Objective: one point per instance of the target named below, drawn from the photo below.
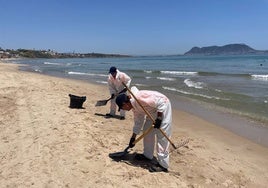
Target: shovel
(150, 116)
(120, 155)
(104, 102)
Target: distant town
(26, 53)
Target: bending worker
(158, 105)
(116, 87)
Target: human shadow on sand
(129, 158)
(108, 117)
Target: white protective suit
(115, 87)
(153, 102)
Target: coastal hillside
(26, 53)
(230, 49)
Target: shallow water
(237, 83)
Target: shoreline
(234, 107)
(238, 125)
(253, 130)
(45, 143)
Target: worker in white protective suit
(116, 87)
(159, 107)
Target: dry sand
(44, 143)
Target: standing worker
(158, 105)
(116, 87)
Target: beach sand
(44, 143)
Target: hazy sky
(134, 27)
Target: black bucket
(76, 101)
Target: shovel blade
(101, 103)
(119, 155)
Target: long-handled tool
(123, 153)
(104, 102)
(150, 116)
(119, 155)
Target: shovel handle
(116, 95)
(108, 99)
(150, 116)
(144, 134)
(140, 137)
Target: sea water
(237, 84)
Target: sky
(132, 27)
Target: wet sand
(242, 126)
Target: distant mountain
(230, 49)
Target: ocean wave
(195, 94)
(148, 71)
(102, 82)
(179, 72)
(209, 73)
(49, 63)
(86, 74)
(218, 90)
(58, 64)
(197, 85)
(262, 77)
(166, 78)
(193, 73)
(81, 73)
(37, 70)
(140, 85)
(223, 74)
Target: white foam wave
(58, 64)
(260, 77)
(148, 71)
(197, 85)
(102, 82)
(195, 94)
(148, 77)
(48, 63)
(80, 73)
(179, 72)
(218, 90)
(37, 70)
(165, 78)
(86, 74)
(140, 85)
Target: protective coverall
(115, 87)
(153, 102)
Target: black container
(76, 101)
